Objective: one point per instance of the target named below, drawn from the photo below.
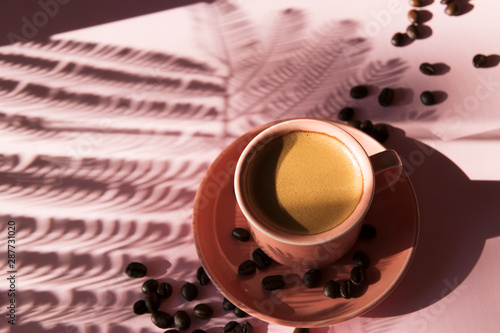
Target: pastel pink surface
(394, 214)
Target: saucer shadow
(457, 217)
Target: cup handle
(387, 168)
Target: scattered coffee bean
(241, 234)
(232, 327)
(164, 290)
(227, 305)
(149, 285)
(161, 319)
(361, 259)
(346, 289)
(312, 278)
(152, 300)
(202, 276)
(358, 92)
(331, 289)
(367, 232)
(189, 291)
(358, 276)
(182, 320)
(386, 97)
(412, 32)
(246, 268)
(414, 16)
(260, 258)
(136, 270)
(239, 312)
(247, 327)
(427, 98)
(198, 330)
(427, 69)
(452, 8)
(366, 126)
(354, 123)
(140, 307)
(273, 282)
(479, 60)
(398, 39)
(380, 132)
(346, 114)
(301, 330)
(203, 311)
(416, 3)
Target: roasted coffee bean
(452, 8)
(239, 312)
(247, 327)
(241, 234)
(260, 258)
(232, 327)
(203, 311)
(366, 126)
(227, 305)
(398, 39)
(358, 92)
(354, 123)
(361, 259)
(331, 289)
(367, 232)
(427, 98)
(136, 270)
(149, 285)
(416, 3)
(427, 69)
(152, 300)
(164, 290)
(246, 268)
(202, 276)
(273, 282)
(380, 132)
(189, 291)
(182, 320)
(386, 97)
(414, 16)
(346, 114)
(161, 319)
(301, 330)
(412, 32)
(346, 289)
(198, 330)
(358, 276)
(312, 278)
(479, 60)
(140, 307)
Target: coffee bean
(380, 132)
(358, 276)
(136, 270)
(412, 32)
(152, 300)
(354, 123)
(261, 259)
(398, 39)
(246, 268)
(367, 232)
(232, 327)
(203, 311)
(366, 126)
(427, 69)
(301, 330)
(312, 278)
(331, 289)
(149, 285)
(227, 305)
(414, 16)
(427, 98)
(479, 60)
(189, 291)
(346, 114)
(346, 289)
(182, 320)
(239, 312)
(273, 282)
(198, 330)
(358, 92)
(164, 290)
(161, 319)
(361, 259)
(241, 234)
(202, 276)
(247, 327)
(386, 97)
(452, 8)
(416, 3)
(140, 307)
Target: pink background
(107, 128)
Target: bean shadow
(441, 68)
(457, 217)
(492, 61)
(465, 6)
(424, 16)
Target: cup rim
(312, 125)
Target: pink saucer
(393, 213)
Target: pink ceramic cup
(323, 248)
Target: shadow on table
(457, 217)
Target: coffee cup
(305, 185)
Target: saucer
(394, 214)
